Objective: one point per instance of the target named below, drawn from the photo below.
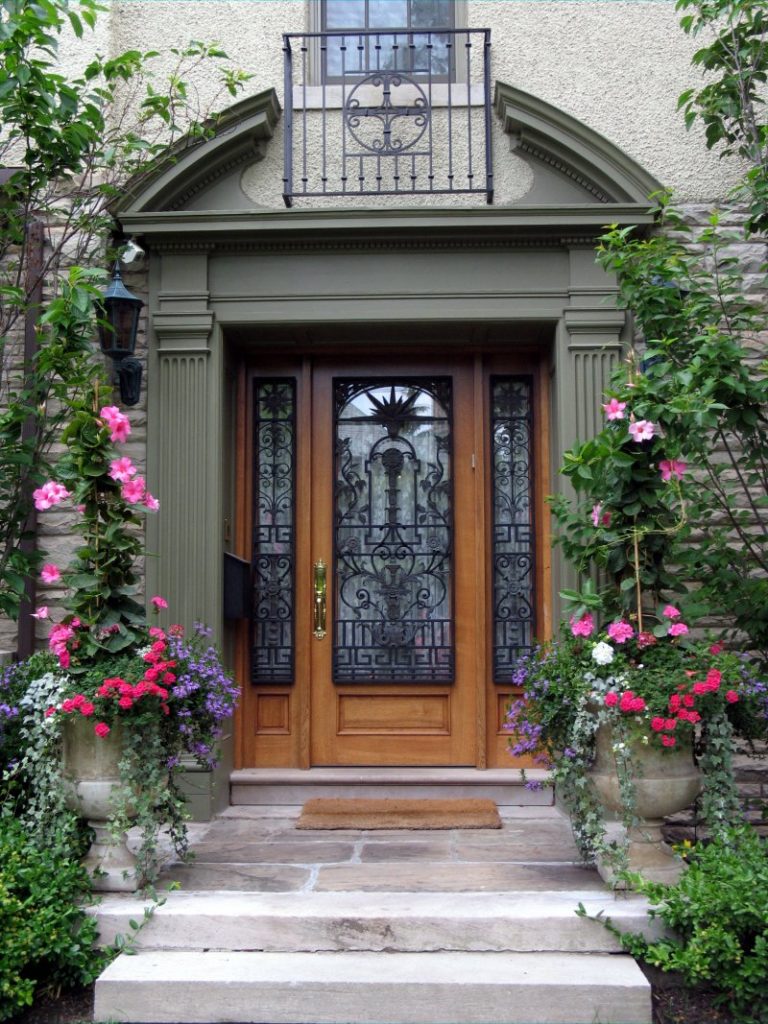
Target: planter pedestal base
(647, 855)
(110, 864)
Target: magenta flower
(677, 629)
(620, 631)
(672, 469)
(50, 573)
(41, 613)
(614, 410)
(600, 518)
(150, 502)
(117, 422)
(159, 602)
(584, 626)
(670, 612)
(132, 491)
(641, 430)
(122, 469)
(49, 494)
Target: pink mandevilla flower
(620, 632)
(614, 410)
(118, 423)
(49, 494)
(641, 430)
(677, 629)
(584, 626)
(133, 490)
(672, 469)
(50, 573)
(122, 469)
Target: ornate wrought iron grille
(393, 531)
(274, 500)
(402, 112)
(513, 534)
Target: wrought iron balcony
(387, 113)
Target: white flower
(602, 653)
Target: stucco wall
(618, 66)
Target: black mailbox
(237, 587)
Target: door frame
(285, 736)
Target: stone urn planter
(91, 775)
(666, 781)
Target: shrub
(48, 938)
(718, 912)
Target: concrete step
(292, 786)
(373, 988)
(383, 921)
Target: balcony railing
(395, 113)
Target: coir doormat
(332, 813)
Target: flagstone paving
(257, 852)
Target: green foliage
(73, 144)
(718, 912)
(48, 938)
(731, 103)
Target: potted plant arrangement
(638, 717)
(110, 709)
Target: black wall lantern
(118, 323)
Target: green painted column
(589, 343)
(185, 445)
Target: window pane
(432, 13)
(388, 14)
(344, 55)
(345, 14)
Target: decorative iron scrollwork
(371, 115)
(393, 531)
(513, 535)
(274, 500)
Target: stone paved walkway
(258, 849)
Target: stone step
(292, 786)
(373, 988)
(380, 921)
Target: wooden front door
(388, 516)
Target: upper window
(410, 39)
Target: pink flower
(672, 469)
(611, 700)
(657, 724)
(41, 613)
(620, 632)
(50, 573)
(614, 410)
(715, 648)
(638, 704)
(669, 724)
(101, 729)
(731, 696)
(87, 708)
(670, 612)
(600, 518)
(699, 688)
(117, 422)
(641, 430)
(584, 626)
(132, 491)
(714, 678)
(668, 741)
(125, 702)
(49, 494)
(158, 602)
(677, 629)
(150, 502)
(689, 700)
(157, 633)
(122, 469)
(645, 640)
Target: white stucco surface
(617, 65)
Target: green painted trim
(240, 134)
(567, 141)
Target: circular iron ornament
(364, 119)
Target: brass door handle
(320, 590)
